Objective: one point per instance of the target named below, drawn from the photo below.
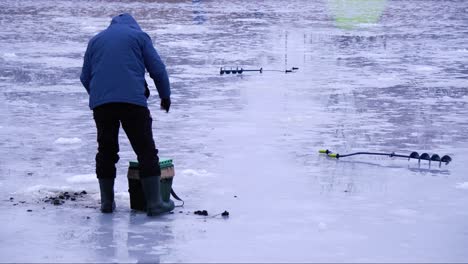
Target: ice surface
(67, 141)
(396, 82)
(463, 185)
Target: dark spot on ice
(225, 214)
(204, 212)
(22, 202)
(235, 196)
(29, 210)
(88, 217)
(11, 198)
(62, 197)
(181, 212)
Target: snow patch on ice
(196, 173)
(404, 212)
(67, 141)
(367, 25)
(424, 68)
(9, 55)
(152, 223)
(83, 178)
(137, 246)
(40, 191)
(462, 185)
(157, 250)
(48, 189)
(122, 196)
(322, 226)
(182, 29)
(90, 28)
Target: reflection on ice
(67, 141)
(353, 13)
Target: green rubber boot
(154, 203)
(107, 195)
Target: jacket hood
(125, 19)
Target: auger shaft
(237, 70)
(414, 155)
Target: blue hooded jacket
(115, 61)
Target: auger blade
(425, 156)
(435, 157)
(447, 159)
(413, 155)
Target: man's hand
(166, 104)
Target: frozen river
(374, 75)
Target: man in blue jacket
(114, 76)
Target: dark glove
(166, 104)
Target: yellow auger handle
(329, 153)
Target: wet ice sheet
(245, 144)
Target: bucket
(137, 197)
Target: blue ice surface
(389, 76)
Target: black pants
(136, 122)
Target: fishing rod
(237, 70)
(414, 155)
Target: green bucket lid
(163, 163)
